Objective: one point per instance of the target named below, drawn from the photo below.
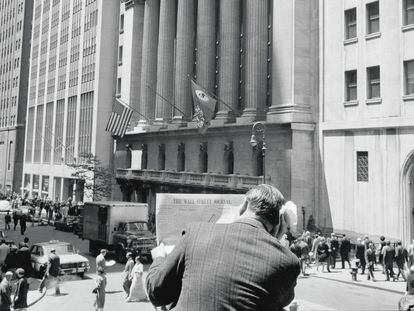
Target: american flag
(119, 119)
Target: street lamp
(258, 136)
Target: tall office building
(366, 128)
(15, 32)
(259, 58)
(71, 87)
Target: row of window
(7, 66)
(8, 121)
(373, 18)
(4, 103)
(374, 82)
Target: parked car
(70, 261)
(66, 223)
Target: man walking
(7, 221)
(126, 284)
(388, 253)
(20, 294)
(193, 279)
(344, 250)
(15, 220)
(334, 249)
(361, 247)
(370, 260)
(23, 224)
(100, 260)
(52, 272)
(401, 257)
(5, 292)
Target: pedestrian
(100, 260)
(126, 283)
(370, 261)
(380, 256)
(315, 244)
(20, 294)
(99, 290)
(304, 255)
(23, 258)
(334, 249)
(344, 250)
(411, 254)
(5, 292)
(15, 219)
(388, 253)
(23, 224)
(323, 255)
(137, 292)
(361, 247)
(26, 242)
(4, 251)
(401, 259)
(249, 266)
(7, 221)
(52, 272)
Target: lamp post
(258, 136)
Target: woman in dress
(99, 290)
(137, 292)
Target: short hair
(382, 238)
(104, 251)
(399, 243)
(26, 239)
(388, 243)
(265, 201)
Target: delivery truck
(120, 227)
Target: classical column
(206, 44)
(256, 58)
(184, 58)
(229, 62)
(165, 63)
(149, 59)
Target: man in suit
(388, 254)
(344, 250)
(5, 292)
(236, 266)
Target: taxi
(70, 261)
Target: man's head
(104, 252)
(53, 251)
(8, 275)
(399, 243)
(359, 240)
(128, 255)
(388, 243)
(26, 240)
(371, 245)
(20, 273)
(2, 241)
(265, 201)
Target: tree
(97, 180)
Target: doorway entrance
(408, 199)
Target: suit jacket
(20, 295)
(5, 295)
(53, 265)
(237, 266)
(345, 247)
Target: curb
(362, 285)
(38, 299)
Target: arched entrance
(407, 195)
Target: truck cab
(133, 237)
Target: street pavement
(319, 291)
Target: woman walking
(99, 290)
(137, 292)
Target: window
(181, 158)
(228, 158)
(373, 82)
(350, 23)
(351, 85)
(373, 17)
(120, 52)
(161, 157)
(362, 166)
(409, 12)
(118, 86)
(203, 158)
(144, 157)
(121, 24)
(409, 77)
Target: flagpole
(132, 108)
(156, 93)
(213, 95)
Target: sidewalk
(344, 276)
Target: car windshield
(136, 226)
(60, 249)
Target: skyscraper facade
(71, 87)
(15, 32)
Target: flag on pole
(204, 106)
(119, 119)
